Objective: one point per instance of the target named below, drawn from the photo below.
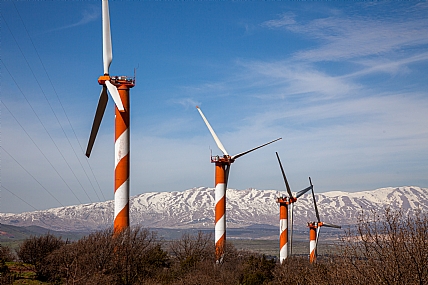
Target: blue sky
(344, 84)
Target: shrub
(129, 257)
(6, 254)
(35, 251)
(257, 270)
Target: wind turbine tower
(118, 87)
(283, 202)
(222, 168)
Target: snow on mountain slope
(194, 208)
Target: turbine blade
(315, 202)
(316, 240)
(107, 47)
(227, 175)
(115, 95)
(283, 175)
(331, 226)
(102, 103)
(253, 149)
(301, 192)
(216, 139)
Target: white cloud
(285, 20)
(388, 65)
(87, 16)
(185, 102)
(297, 78)
(347, 37)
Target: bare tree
(388, 249)
(192, 249)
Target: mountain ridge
(194, 208)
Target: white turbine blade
(253, 149)
(107, 47)
(316, 240)
(216, 139)
(115, 95)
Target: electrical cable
(32, 176)
(11, 192)
(62, 155)
(41, 152)
(65, 113)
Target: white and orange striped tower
(222, 168)
(312, 241)
(122, 157)
(118, 87)
(283, 202)
(283, 228)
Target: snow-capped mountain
(194, 208)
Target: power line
(65, 113)
(62, 155)
(32, 176)
(19, 198)
(41, 152)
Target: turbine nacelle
(322, 224)
(116, 80)
(286, 200)
(225, 159)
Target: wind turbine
(283, 202)
(314, 230)
(222, 168)
(118, 87)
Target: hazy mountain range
(194, 208)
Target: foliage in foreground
(381, 249)
(6, 255)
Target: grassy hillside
(12, 235)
